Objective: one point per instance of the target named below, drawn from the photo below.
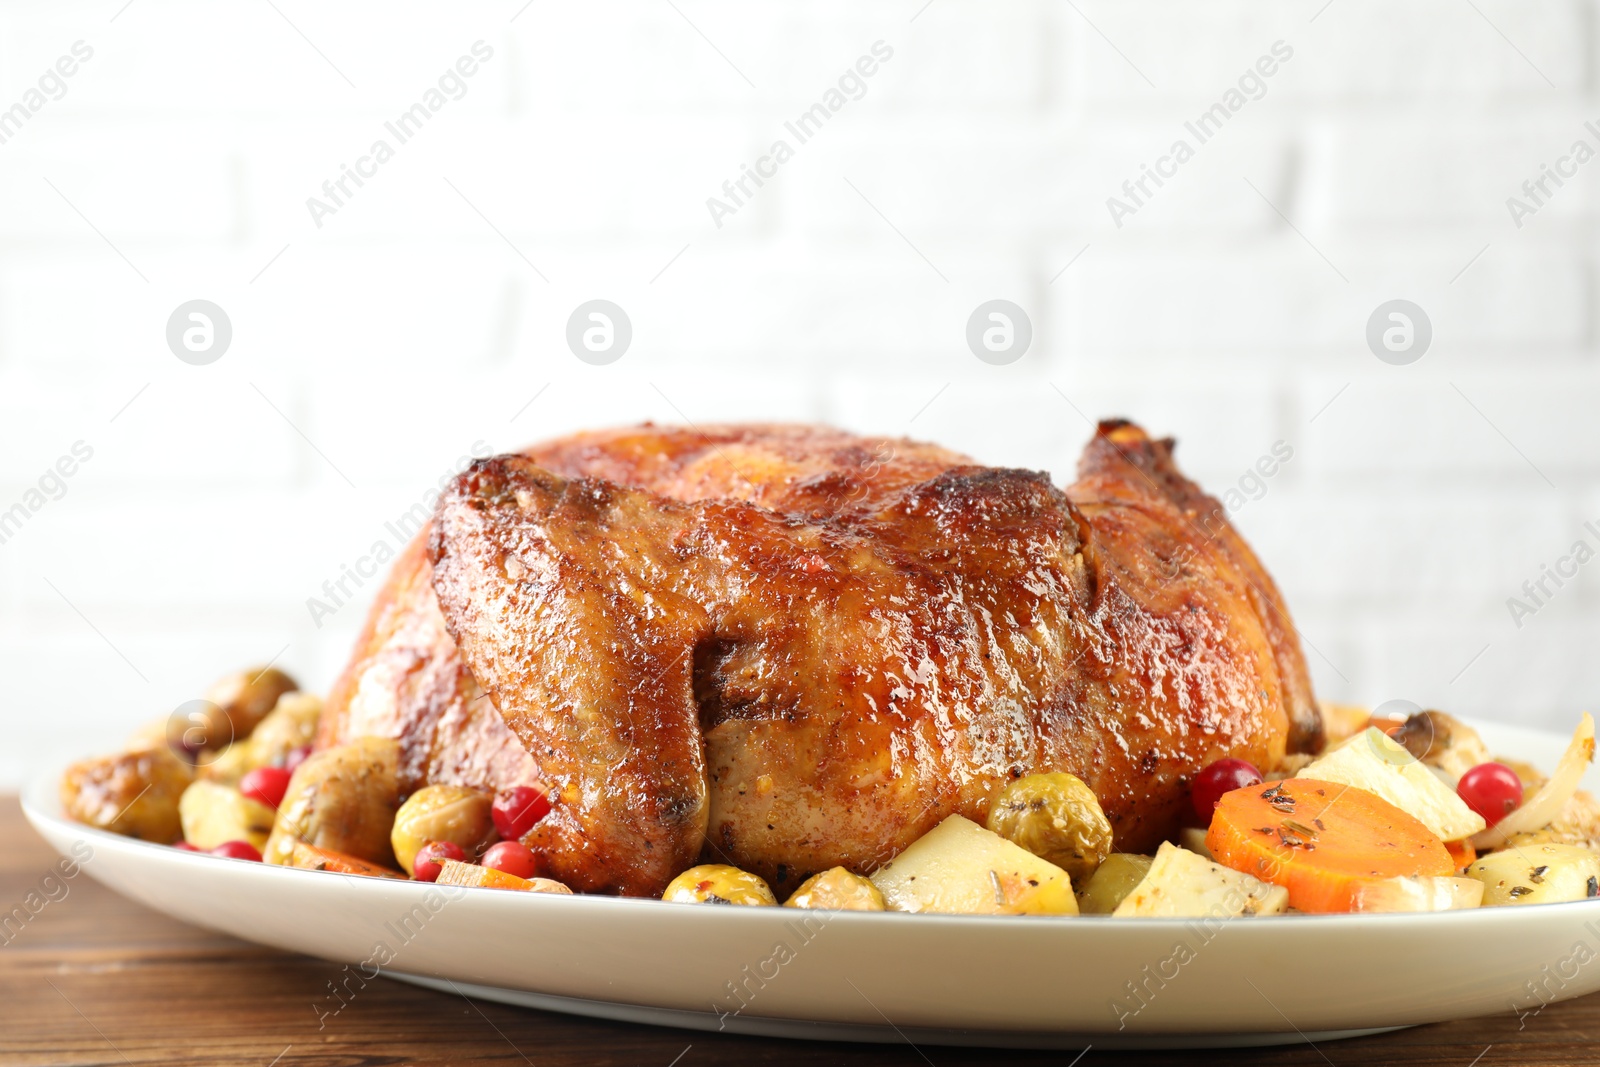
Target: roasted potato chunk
(451, 813)
(1182, 884)
(246, 697)
(135, 794)
(213, 812)
(1538, 874)
(344, 799)
(1057, 818)
(716, 883)
(1382, 766)
(839, 890)
(960, 868)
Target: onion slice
(1541, 809)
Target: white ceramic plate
(977, 980)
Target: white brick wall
(408, 327)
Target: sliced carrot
(313, 858)
(1321, 841)
(1461, 853)
(454, 872)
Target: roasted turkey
(789, 648)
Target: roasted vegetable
(1112, 882)
(1057, 818)
(1493, 790)
(1442, 741)
(1216, 778)
(229, 765)
(450, 813)
(1374, 762)
(1538, 874)
(199, 731)
(1342, 721)
(291, 724)
(1181, 883)
(1290, 765)
(344, 799)
(959, 867)
(1578, 824)
(1546, 805)
(134, 794)
(454, 872)
(1533, 779)
(312, 858)
(246, 697)
(1409, 893)
(715, 883)
(1193, 838)
(839, 890)
(213, 813)
(1321, 841)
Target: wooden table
(95, 979)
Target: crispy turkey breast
(405, 679)
(788, 648)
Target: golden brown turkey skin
(790, 691)
(1104, 479)
(405, 679)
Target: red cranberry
(512, 858)
(517, 809)
(429, 860)
(1223, 776)
(237, 850)
(1493, 790)
(266, 784)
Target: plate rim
(894, 933)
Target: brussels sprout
(343, 799)
(715, 883)
(839, 890)
(246, 697)
(450, 813)
(291, 724)
(1057, 818)
(1111, 882)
